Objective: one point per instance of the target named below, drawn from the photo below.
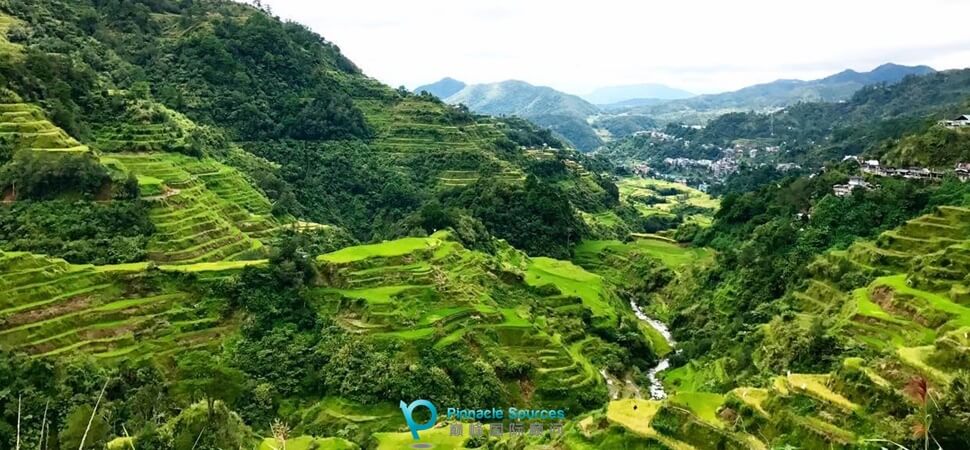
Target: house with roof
(958, 122)
(844, 190)
(962, 171)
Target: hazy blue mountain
(886, 73)
(633, 102)
(565, 114)
(653, 91)
(442, 88)
(776, 94)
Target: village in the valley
(732, 159)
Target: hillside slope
(184, 190)
(563, 113)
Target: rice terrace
(219, 230)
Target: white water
(657, 391)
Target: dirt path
(168, 193)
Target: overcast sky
(702, 46)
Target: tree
(200, 373)
(77, 423)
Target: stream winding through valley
(657, 391)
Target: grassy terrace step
(960, 314)
(40, 288)
(816, 386)
(922, 229)
(954, 214)
(868, 254)
(385, 249)
(91, 316)
(27, 127)
(894, 240)
(52, 308)
(208, 196)
(571, 280)
(638, 420)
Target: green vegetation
(383, 250)
(306, 443)
(216, 233)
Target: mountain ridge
(608, 95)
(566, 114)
(778, 94)
(442, 88)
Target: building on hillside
(641, 169)
(843, 190)
(962, 171)
(872, 166)
(959, 122)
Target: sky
(575, 46)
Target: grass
(631, 188)
(64, 309)
(304, 442)
(638, 420)
(753, 397)
(384, 249)
(439, 437)
(379, 294)
(571, 279)
(203, 210)
(692, 377)
(939, 302)
(815, 386)
(658, 343)
(670, 254)
(916, 357)
(218, 266)
(704, 405)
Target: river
(657, 391)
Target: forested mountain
(214, 222)
(563, 113)
(778, 94)
(896, 123)
(217, 232)
(442, 88)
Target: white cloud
(700, 45)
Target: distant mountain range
(634, 93)
(442, 88)
(623, 110)
(565, 114)
(776, 94)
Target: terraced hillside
(7, 48)
(901, 299)
(409, 129)
(203, 210)
(434, 292)
(25, 126)
(53, 308)
(658, 197)
(904, 296)
(144, 125)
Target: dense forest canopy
(216, 232)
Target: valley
(217, 232)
